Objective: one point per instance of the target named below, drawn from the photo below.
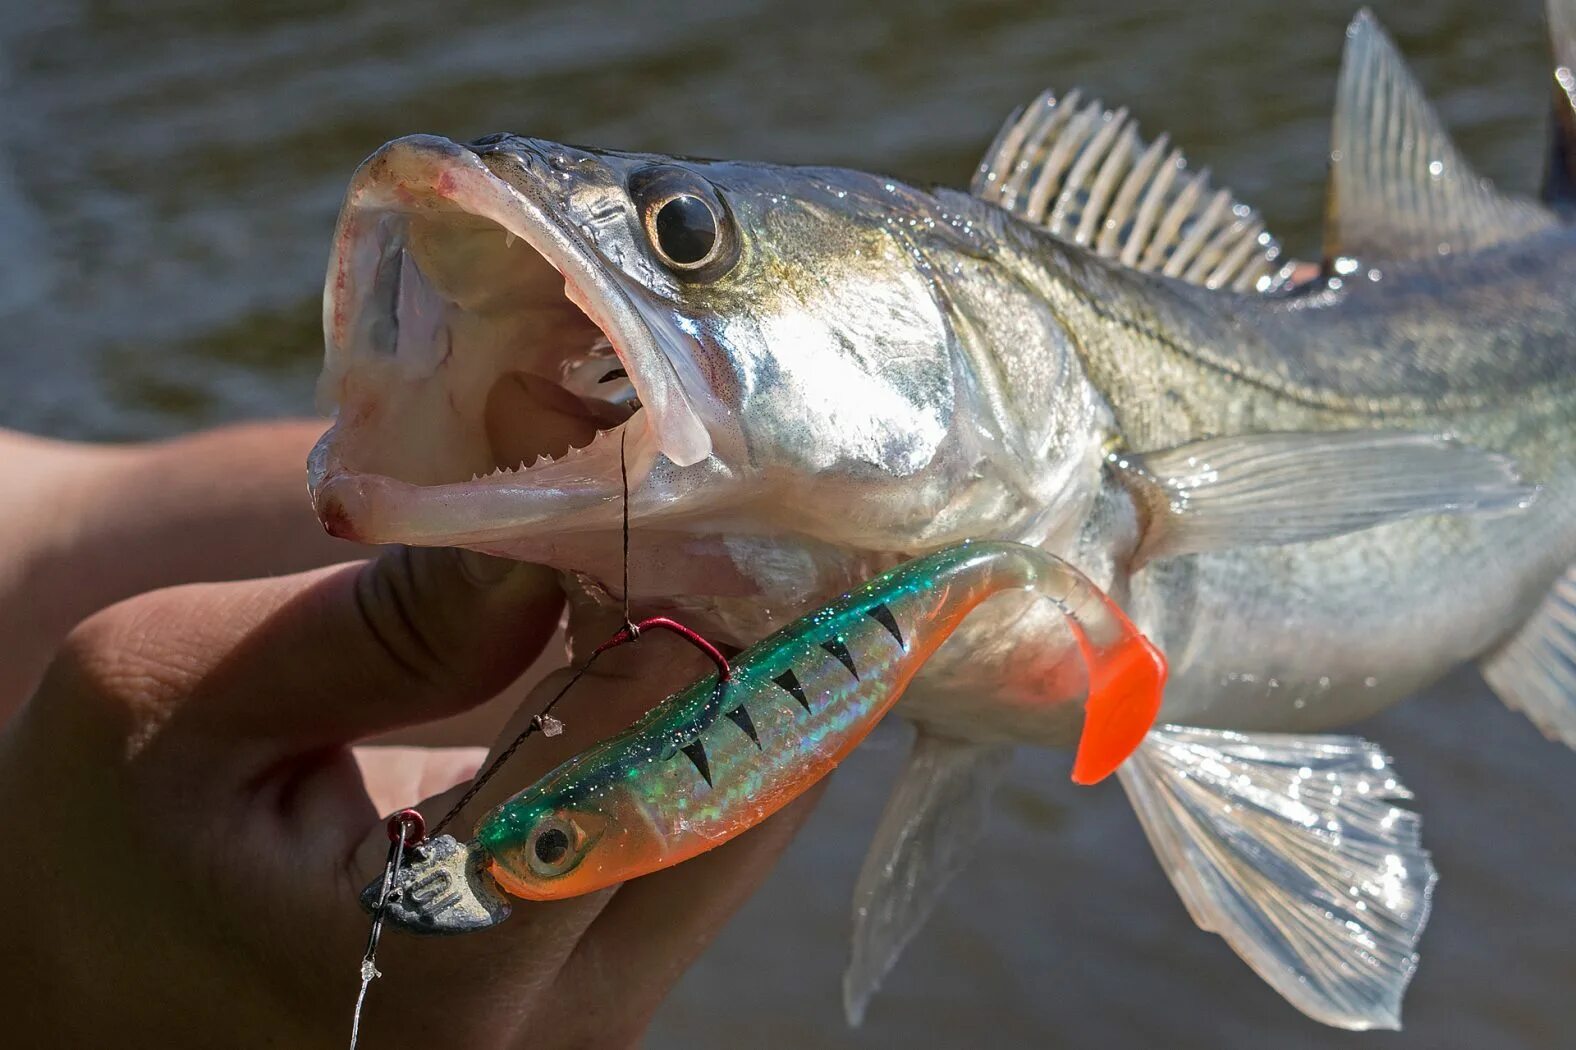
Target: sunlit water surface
(169, 173)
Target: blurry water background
(169, 174)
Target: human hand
(189, 829)
(84, 525)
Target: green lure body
(721, 755)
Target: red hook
(629, 632)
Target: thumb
(415, 635)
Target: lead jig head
(441, 888)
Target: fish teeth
(509, 238)
(543, 460)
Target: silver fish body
(1314, 499)
(1309, 636)
(886, 372)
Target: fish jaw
(842, 383)
(442, 277)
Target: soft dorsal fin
(1399, 188)
(1081, 171)
(1559, 176)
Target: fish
(1315, 496)
(718, 757)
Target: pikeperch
(1314, 497)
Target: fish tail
(1293, 850)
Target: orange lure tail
(1126, 681)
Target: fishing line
(623, 474)
(544, 720)
(404, 827)
(407, 828)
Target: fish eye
(552, 847)
(685, 230)
(686, 223)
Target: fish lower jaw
(579, 489)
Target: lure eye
(553, 847)
(686, 223)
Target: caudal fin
(1290, 848)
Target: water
(169, 174)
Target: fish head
(574, 832)
(765, 355)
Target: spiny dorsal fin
(1082, 172)
(1399, 188)
(1559, 176)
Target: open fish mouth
(488, 368)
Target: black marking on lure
(741, 718)
(882, 615)
(695, 751)
(789, 681)
(836, 647)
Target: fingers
(620, 688)
(413, 636)
(595, 967)
(231, 504)
(320, 658)
(99, 523)
(533, 945)
(655, 927)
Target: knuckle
(124, 660)
(392, 594)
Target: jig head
(441, 888)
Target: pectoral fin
(1535, 672)
(931, 826)
(1268, 489)
(1290, 849)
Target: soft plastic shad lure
(720, 756)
